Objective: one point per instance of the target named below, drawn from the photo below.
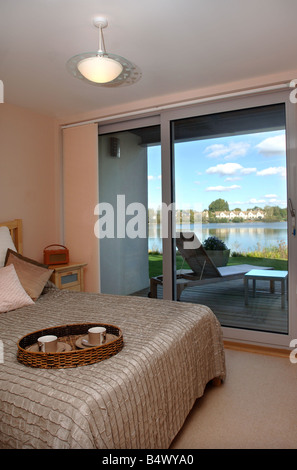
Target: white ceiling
(178, 44)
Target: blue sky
(245, 170)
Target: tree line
(272, 213)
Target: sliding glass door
(129, 207)
(223, 172)
(233, 167)
(231, 193)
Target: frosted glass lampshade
(99, 69)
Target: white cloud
(228, 152)
(151, 177)
(273, 170)
(256, 201)
(248, 171)
(273, 145)
(215, 150)
(253, 201)
(233, 178)
(224, 168)
(222, 188)
(230, 169)
(270, 195)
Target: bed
(136, 399)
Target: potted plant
(217, 251)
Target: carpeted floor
(255, 408)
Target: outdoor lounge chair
(203, 270)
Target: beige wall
(80, 189)
(29, 176)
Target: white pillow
(12, 293)
(5, 243)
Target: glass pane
(154, 220)
(231, 192)
(69, 278)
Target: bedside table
(69, 276)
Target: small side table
(266, 275)
(69, 276)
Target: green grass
(155, 263)
(280, 264)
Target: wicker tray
(69, 334)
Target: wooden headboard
(16, 231)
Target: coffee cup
(48, 343)
(97, 335)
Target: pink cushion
(12, 293)
(32, 275)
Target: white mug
(97, 335)
(48, 343)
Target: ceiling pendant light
(101, 68)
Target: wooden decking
(226, 299)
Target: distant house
(222, 214)
(230, 215)
(252, 215)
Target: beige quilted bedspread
(138, 398)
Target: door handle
(293, 215)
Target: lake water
(237, 236)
